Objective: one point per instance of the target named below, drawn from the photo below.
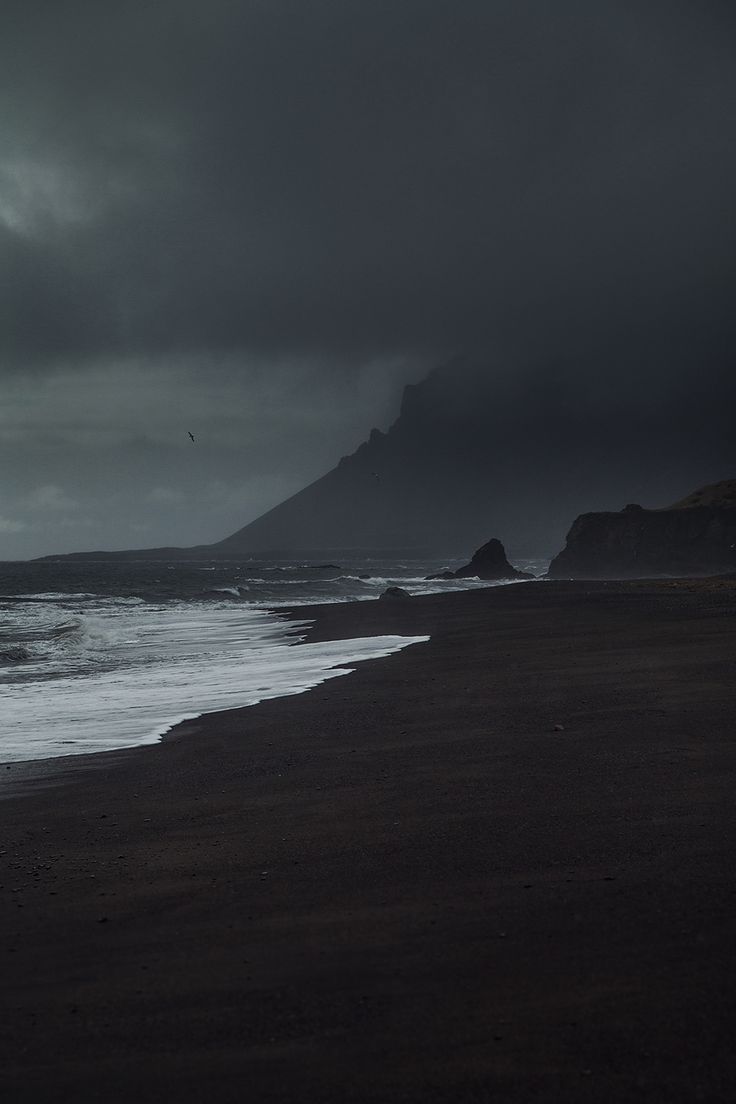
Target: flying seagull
(191, 434)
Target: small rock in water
(394, 592)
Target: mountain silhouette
(518, 452)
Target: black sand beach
(495, 867)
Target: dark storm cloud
(354, 178)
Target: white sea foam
(172, 665)
(98, 656)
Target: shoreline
(407, 885)
(131, 707)
(313, 623)
(324, 626)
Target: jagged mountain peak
(481, 445)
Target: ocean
(102, 655)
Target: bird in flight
(191, 434)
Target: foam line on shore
(129, 708)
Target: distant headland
(695, 536)
(453, 470)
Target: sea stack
(488, 563)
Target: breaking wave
(101, 655)
(15, 653)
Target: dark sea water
(102, 655)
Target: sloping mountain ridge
(474, 453)
(720, 495)
(477, 451)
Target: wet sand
(499, 866)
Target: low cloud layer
(251, 211)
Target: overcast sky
(257, 220)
